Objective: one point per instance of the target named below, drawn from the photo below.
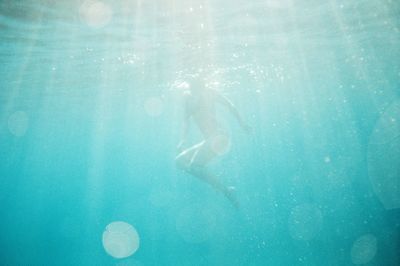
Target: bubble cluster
(120, 239)
(383, 157)
(363, 249)
(154, 106)
(18, 123)
(95, 14)
(305, 222)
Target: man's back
(201, 106)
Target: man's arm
(231, 107)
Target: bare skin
(200, 107)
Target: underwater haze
(91, 114)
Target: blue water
(91, 113)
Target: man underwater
(200, 104)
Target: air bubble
(95, 13)
(120, 239)
(364, 249)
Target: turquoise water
(91, 113)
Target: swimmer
(200, 107)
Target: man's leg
(202, 156)
(185, 158)
(202, 173)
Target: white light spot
(179, 86)
(220, 144)
(154, 106)
(182, 85)
(195, 224)
(95, 13)
(305, 221)
(363, 249)
(18, 123)
(327, 159)
(383, 157)
(120, 239)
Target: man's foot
(231, 195)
